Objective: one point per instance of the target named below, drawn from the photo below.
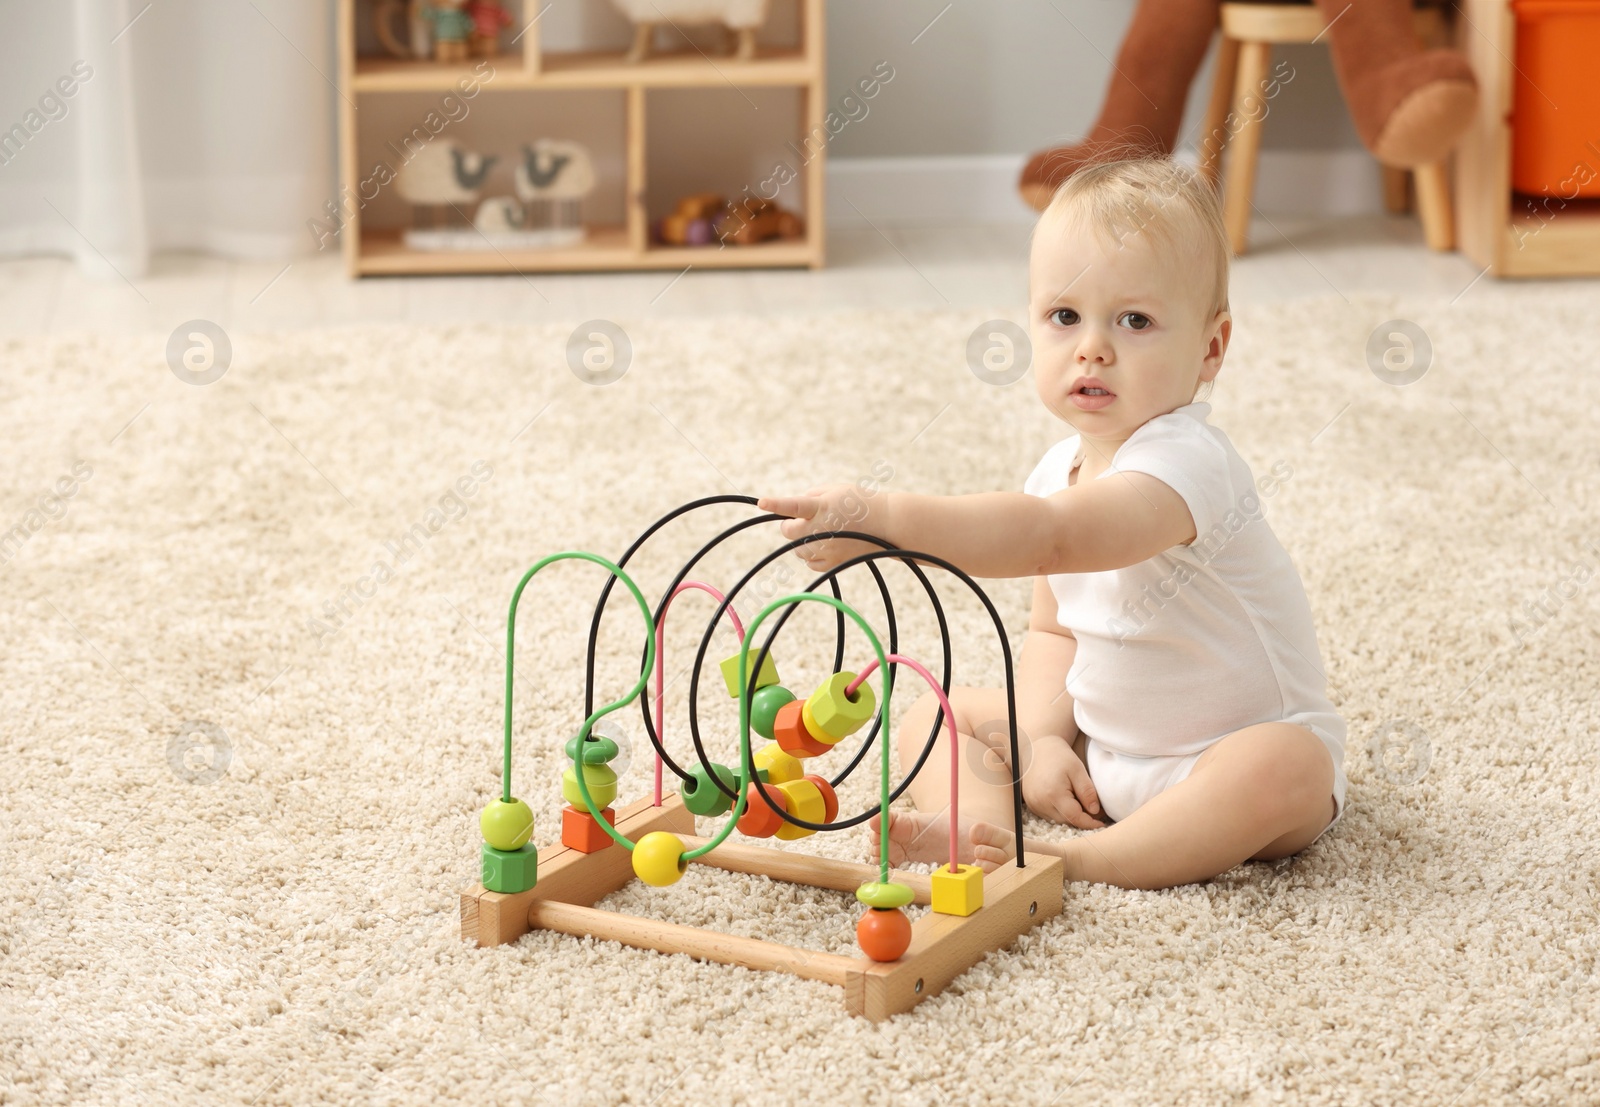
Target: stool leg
(1249, 108)
(1396, 190)
(1214, 139)
(1433, 205)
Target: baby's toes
(987, 835)
(988, 858)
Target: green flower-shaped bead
(879, 894)
(597, 750)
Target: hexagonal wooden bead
(792, 734)
(830, 801)
(759, 820)
(780, 766)
(602, 782)
(510, 871)
(837, 715)
(805, 802)
(730, 672)
(581, 832)
(959, 892)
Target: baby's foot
(991, 846)
(922, 836)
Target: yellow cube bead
(959, 892)
(730, 672)
(805, 802)
(781, 767)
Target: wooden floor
(870, 266)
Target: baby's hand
(1056, 785)
(827, 508)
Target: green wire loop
(644, 674)
(747, 762)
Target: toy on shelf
(442, 182)
(452, 27)
(755, 220)
(489, 18)
(418, 43)
(705, 218)
(551, 181)
(741, 18)
(770, 792)
(689, 224)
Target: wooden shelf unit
(380, 251)
(1510, 234)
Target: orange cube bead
(579, 830)
(793, 737)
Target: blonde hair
(1129, 196)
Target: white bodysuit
(1200, 640)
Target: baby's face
(1137, 317)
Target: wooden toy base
(942, 946)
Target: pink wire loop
(950, 721)
(661, 627)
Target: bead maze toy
(769, 794)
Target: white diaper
(1125, 783)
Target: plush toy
(452, 28)
(489, 18)
(1409, 105)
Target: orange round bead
(884, 933)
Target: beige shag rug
(248, 722)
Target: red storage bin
(1555, 104)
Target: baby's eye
(1137, 321)
(1063, 317)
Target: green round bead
(876, 894)
(764, 706)
(602, 782)
(702, 797)
(597, 749)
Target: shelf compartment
(606, 248)
(589, 69)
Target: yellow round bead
(506, 826)
(836, 714)
(804, 800)
(658, 858)
(602, 782)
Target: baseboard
(982, 188)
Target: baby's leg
(984, 780)
(1261, 793)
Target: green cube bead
(514, 871)
(730, 673)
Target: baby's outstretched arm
(1089, 527)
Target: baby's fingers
(796, 507)
(1083, 786)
